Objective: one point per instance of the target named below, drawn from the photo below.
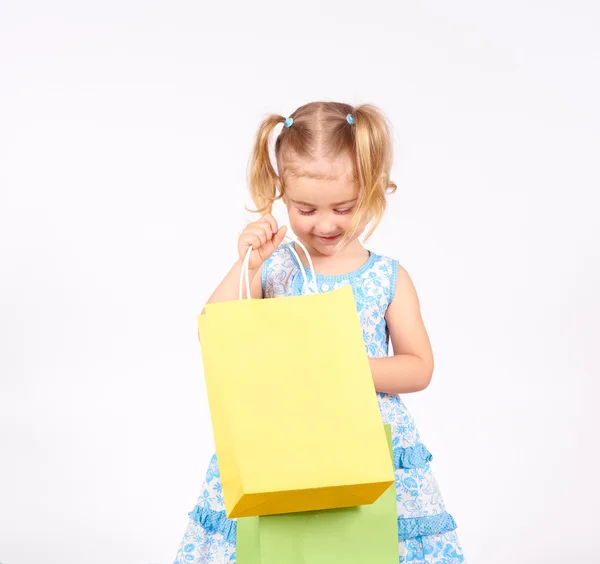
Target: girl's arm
(411, 367)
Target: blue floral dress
(426, 531)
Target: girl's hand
(264, 236)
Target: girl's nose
(326, 227)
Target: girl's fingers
(251, 240)
(260, 232)
(257, 242)
(266, 228)
(264, 236)
(268, 218)
(268, 250)
(279, 236)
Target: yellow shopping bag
(294, 411)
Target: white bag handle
(245, 274)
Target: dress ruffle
(215, 522)
(408, 528)
(416, 456)
(412, 527)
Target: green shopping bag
(350, 535)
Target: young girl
(333, 165)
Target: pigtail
(373, 162)
(263, 179)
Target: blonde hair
(320, 129)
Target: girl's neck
(348, 259)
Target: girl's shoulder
(384, 264)
(383, 274)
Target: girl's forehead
(322, 168)
(321, 192)
(320, 181)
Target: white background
(125, 131)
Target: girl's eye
(306, 212)
(343, 212)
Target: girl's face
(321, 197)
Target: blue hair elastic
(288, 122)
(350, 119)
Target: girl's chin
(326, 248)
